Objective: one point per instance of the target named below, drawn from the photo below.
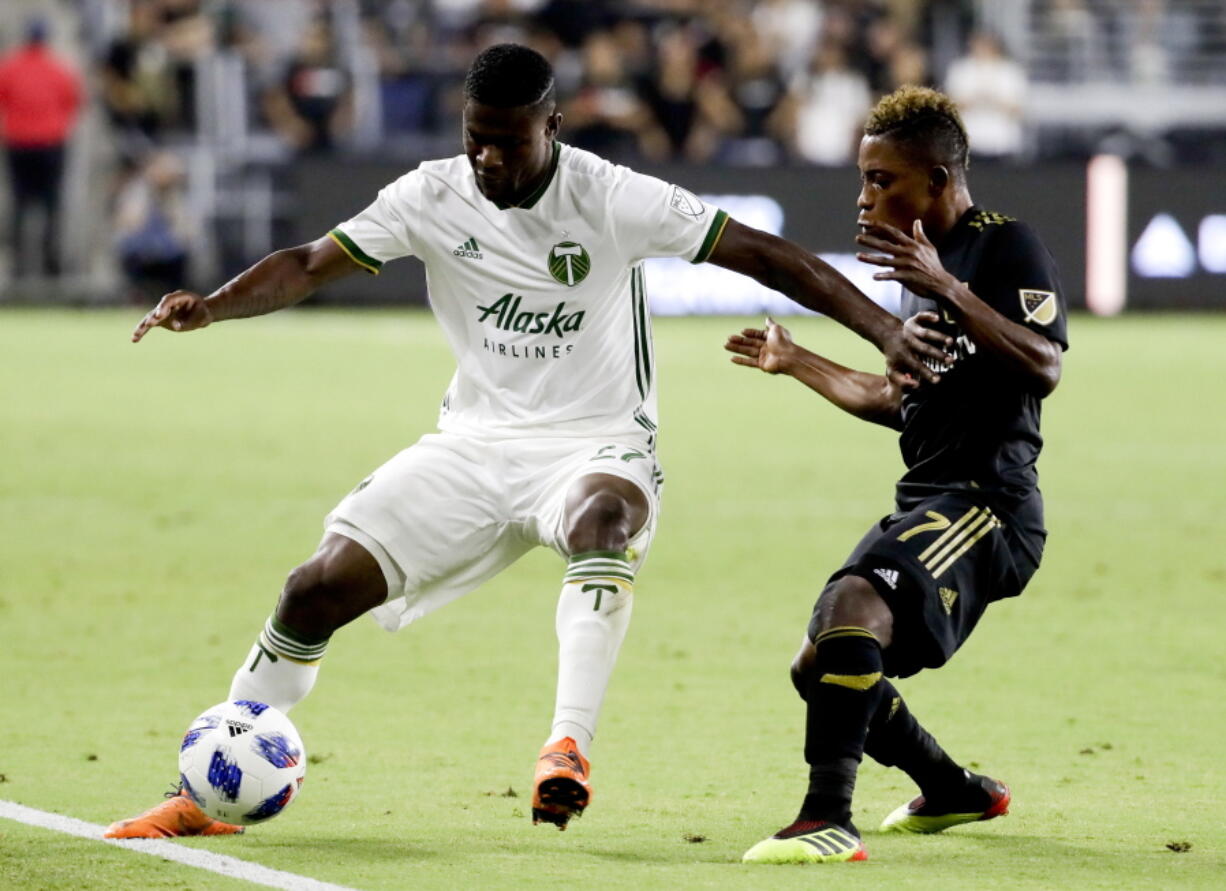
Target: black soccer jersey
(978, 428)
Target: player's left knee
(603, 521)
(853, 601)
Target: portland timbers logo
(569, 263)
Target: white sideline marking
(218, 863)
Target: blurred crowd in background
(190, 107)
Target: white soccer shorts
(450, 512)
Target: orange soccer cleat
(560, 789)
(174, 817)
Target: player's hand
(909, 361)
(177, 311)
(921, 337)
(913, 258)
(769, 349)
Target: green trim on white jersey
(718, 224)
(531, 200)
(355, 253)
(643, 363)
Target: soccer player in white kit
(534, 258)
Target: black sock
(830, 789)
(896, 739)
(843, 689)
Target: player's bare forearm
(281, 279)
(870, 397)
(785, 267)
(814, 284)
(1026, 353)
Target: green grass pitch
(153, 497)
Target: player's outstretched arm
(279, 280)
(785, 267)
(913, 260)
(870, 397)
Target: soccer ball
(242, 762)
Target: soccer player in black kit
(967, 528)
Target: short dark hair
(508, 75)
(925, 120)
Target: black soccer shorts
(937, 567)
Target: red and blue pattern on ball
(272, 805)
(276, 749)
(205, 724)
(251, 707)
(225, 776)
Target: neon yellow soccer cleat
(809, 841)
(919, 816)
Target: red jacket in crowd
(39, 98)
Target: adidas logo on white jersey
(890, 576)
(469, 250)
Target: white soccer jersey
(544, 304)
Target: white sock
(593, 615)
(280, 669)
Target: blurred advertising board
(1165, 238)
(1176, 238)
